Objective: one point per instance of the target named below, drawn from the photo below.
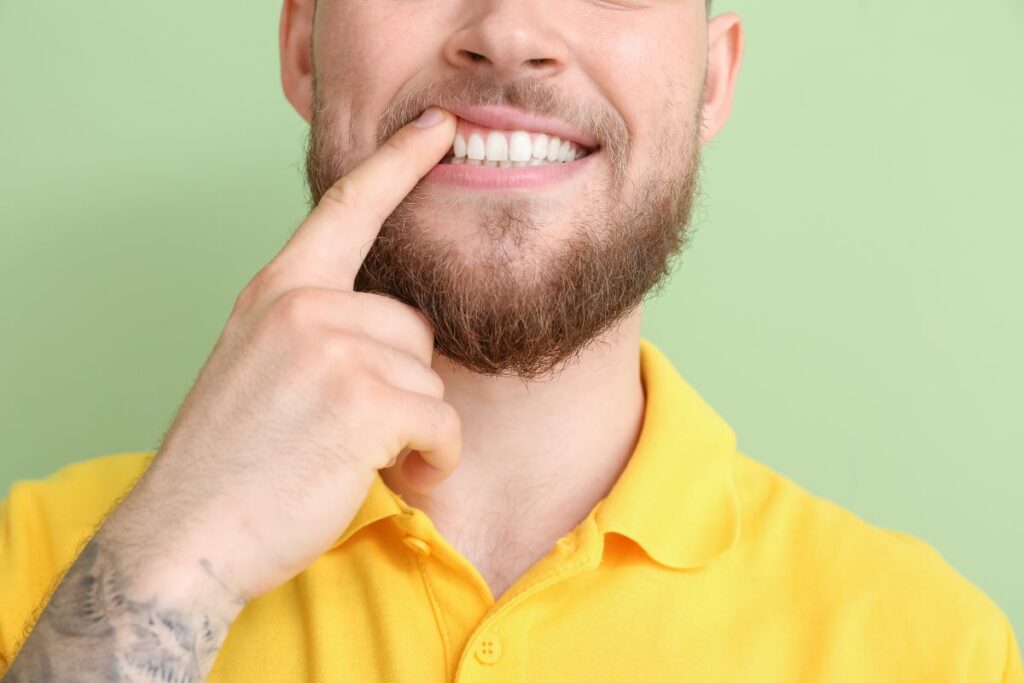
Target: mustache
(532, 96)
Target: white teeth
(497, 146)
(564, 150)
(512, 149)
(520, 148)
(540, 146)
(475, 149)
(554, 144)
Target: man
(430, 443)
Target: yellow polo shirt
(701, 564)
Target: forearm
(105, 623)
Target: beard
(511, 299)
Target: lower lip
(488, 178)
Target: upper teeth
(515, 146)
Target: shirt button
(488, 649)
(418, 545)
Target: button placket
(415, 532)
(417, 544)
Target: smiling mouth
(477, 146)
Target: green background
(851, 302)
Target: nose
(509, 39)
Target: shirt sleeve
(27, 570)
(1014, 669)
(5, 533)
(44, 524)
(5, 661)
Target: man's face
(517, 280)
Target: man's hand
(310, 389)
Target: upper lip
(503, 117)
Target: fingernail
(431, 117)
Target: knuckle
(342, 193)
(343, 351)
(256, 289)
(392, 145)
(346, 195)
(296, 307)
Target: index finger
(332, 242)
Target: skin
(590, 52)
(153, 593)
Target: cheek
(362, 65)
(649, 74)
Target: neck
(539, 455)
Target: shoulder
(74, 496)
(44, 523)
(884, 586)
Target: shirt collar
(676, 497)
(380, 502)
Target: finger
(400, 369)
(432, 434)
(368, 314)
(332, 242)
(395, 324)
(419, 474)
